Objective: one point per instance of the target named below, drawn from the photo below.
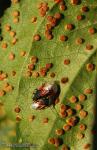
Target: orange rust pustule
(79, 17)
(85, 9)
(58, 1)
(36, 37)
(75, 2)
(17, 109)
(64, 80)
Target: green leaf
(79, 73)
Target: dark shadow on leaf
(4, 4)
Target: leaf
(79, 74)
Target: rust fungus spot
(69, 26)
(43, 71)
(11, 56)
(49, 65)
(42, 74)
(16, 20)
(22, 53)
(28, 74)
(82, 97)
(51, 141)
(83, 113)
(79, 17)
(89, 47)
(85, 9)
(73, 99)
(59, 131)
(48, 28)
(8, 88)
(69, 112)
(18, 118)
(33, 19)
(78, 107)
(64, 80)
(75, 2)
(12, 33)
(17, 109)
(49, 36)
(88, 91)
(3, 76)
(63, 114)
(14, 41)
(63, 38)
(52, 74)
(91, 30)
(49, 18)
(31, 67)
(4, 45)
(87, 146)
(63, 108)
(37, 37)
(72, 121)
(79, 41)
(66, 61)
(45, 120)
(80, 135)
(34, 59)
(13, 73)
(66, 127)
(65, 147)
(82, 127)
(7, 27)
(90, 67)
(2, 93)
(31, 118)
(16, 13)
(35, 74)
(62, 7)
(58, 16)
(53, 22)
(57, 142)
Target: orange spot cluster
(52, 22)
(43, 8)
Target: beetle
(45, 95)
